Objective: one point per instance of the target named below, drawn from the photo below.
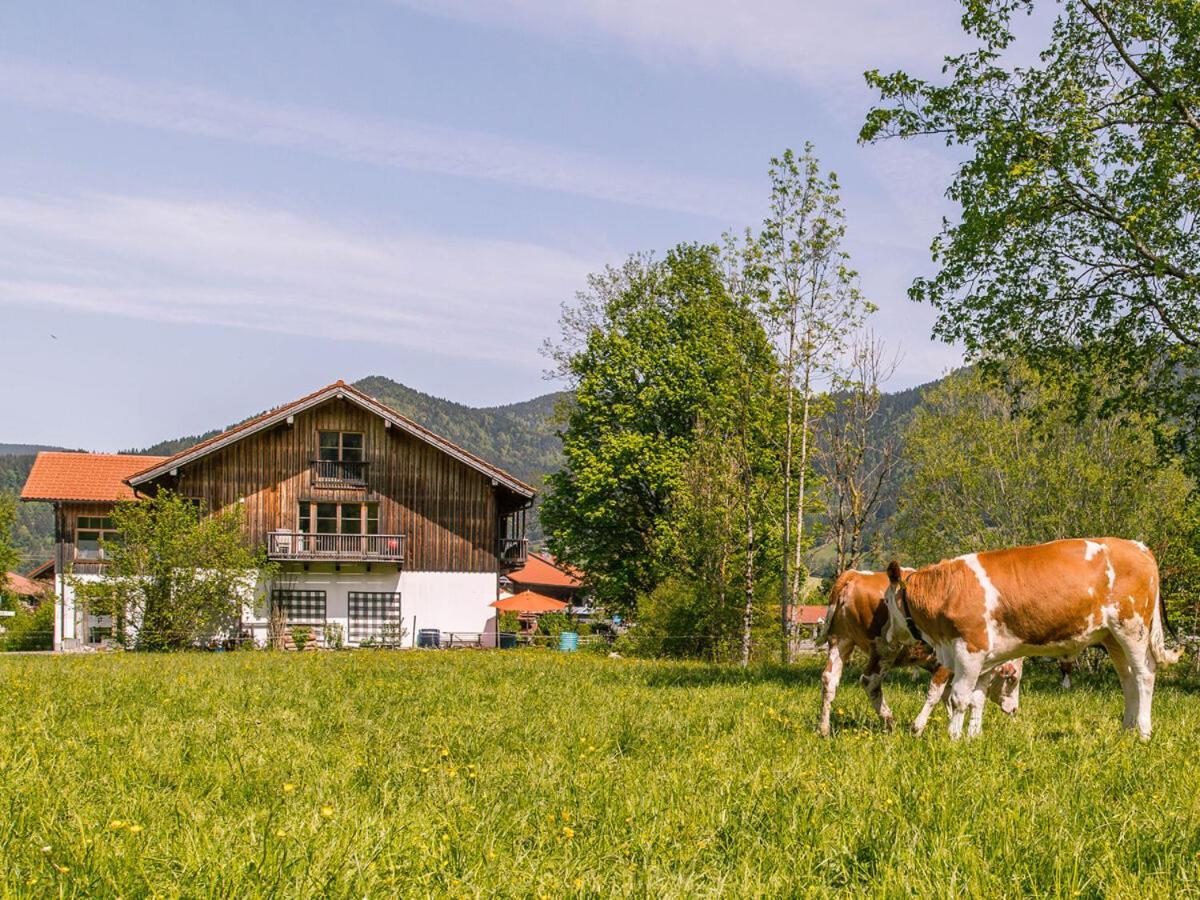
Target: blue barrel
(568, 641)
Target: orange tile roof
(542, 569)
(528, 601)
(809, 615)
(24, 587)
(94, 477)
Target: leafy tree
(9, 557)
(177, 577)
(809, 299)
(1076, 246)
(983, 473)
(651, 350)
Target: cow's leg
(937, 690)
(829, 682)
(1143, 664)
(967, 667)
(872, 682)
(1128, 681)
(978, 701)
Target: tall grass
(534, 773)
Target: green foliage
(553, 623)
(988, 471)
(675, 780)
(29, 629)
(509, 621)
(9, 557)
(650, 350)
(301, 636)
(1076, 247)
(176, 578)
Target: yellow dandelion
(445, 837)
(491, 854)
(63, 869)
(445, 752)
(135, 829)
(327, 812)
(116, 825)
(289, 788)
(425, 771)
(566, 816)
(280, 833)
(568, 832)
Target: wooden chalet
(377, 523)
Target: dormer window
(340, 459)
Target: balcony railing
(297, 545)
(339, 472)
(513, 552)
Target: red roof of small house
(528, 601)
(23, 587)
(544, 570)
(86, 477)
(809, 615)
(45, 570)
(339, 389)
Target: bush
(301, 635)
(30, 629)
(509, 621)
(553, 623)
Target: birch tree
(811, 301)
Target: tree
(176, 578)
(810, 298)
(856, 454)
(9, 557)
(985, 471)
(1076, 247)
(661, 359)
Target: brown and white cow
(983, 609)
(855, 620)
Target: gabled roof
(24, 587)
(45, 570)
(337, 390)
(85, 477)
(545, 571)
(809, 614)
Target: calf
(855, 620)
(983, 609)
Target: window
(301, 607)
(374, 617)
(339, 518)
(340, 446)
(91, 534)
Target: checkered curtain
(374, 616)
(301, 607)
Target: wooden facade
(451, 515)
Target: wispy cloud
(247, 267)
(817, 43)
(403, 144)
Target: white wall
(447, 601)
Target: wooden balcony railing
(513, 552)
(296, 545)
(339, 472)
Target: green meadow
(474, 774)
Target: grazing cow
(983, 609)
(855, 620)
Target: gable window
(339, 518)
(340, 459)
(91, 534)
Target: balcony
(337, 473)
(513, 552)
(298, 546)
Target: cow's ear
(894, 573)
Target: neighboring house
(26, 589)
(43, 574)
(376, 522)
(544, 575)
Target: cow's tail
(1162, 655)
(835, 603)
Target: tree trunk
(748, 611)
(785, 595)
(797, 564)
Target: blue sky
(210, 208)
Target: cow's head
(1005, 689)
(897, 631)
